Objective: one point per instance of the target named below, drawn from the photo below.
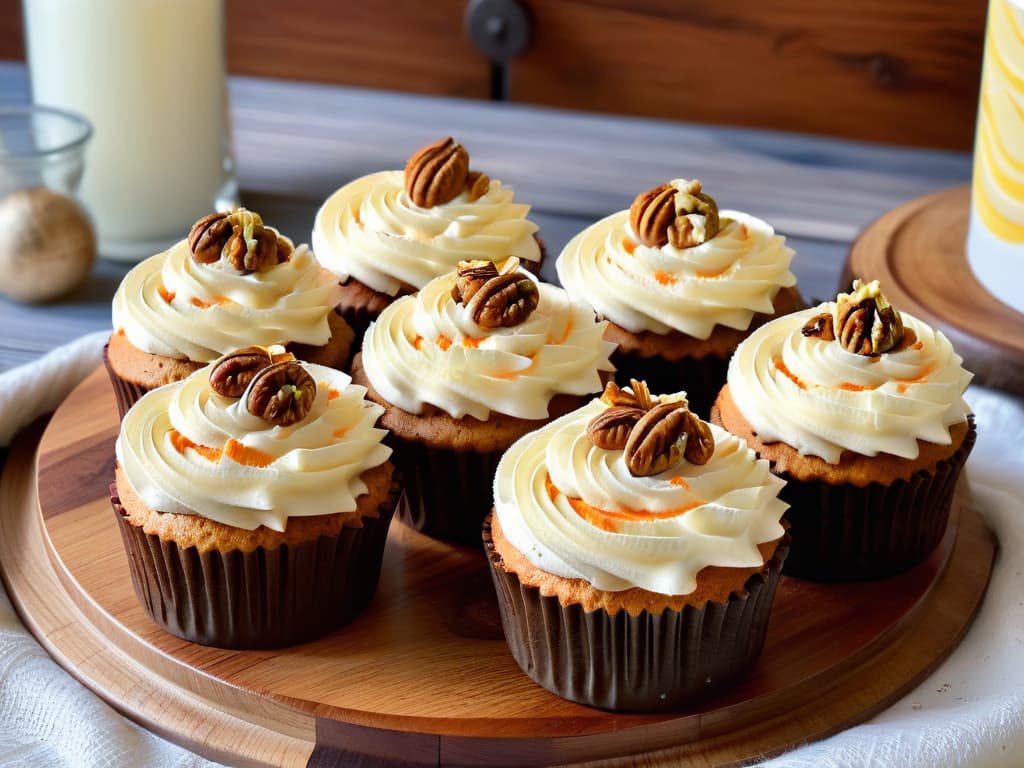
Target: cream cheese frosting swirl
(574, 510)
(187, 450)
(370, 230)
(822, 399)
(427, 350)
(173, 306)
(723, 281)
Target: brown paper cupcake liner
(645, 663)
(447, 493)
(700, 378)
(125, 392)
(846, 533)
(260, 599)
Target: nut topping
(678, 213)
(471, 277)
(241, 238)
(656, 442)
(437, 173)
(478, 184)
(821, 325)
(500, 300)
(865, 322)
(700, 443)
(231, 374)
(281, 393)
(610, 429)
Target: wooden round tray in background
(424, 676)
(917, 251)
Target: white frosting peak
(370, 229)
(427, 349)
(187, 450)
(171, 305)
(822, 399)
(574, 510)
(723, 281)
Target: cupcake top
(850, 375)
(396, 231)
(674, 262)
(625, 496)
(288, 439)
(478, 340)
(233, 282)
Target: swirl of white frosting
(187, 450)
(370, 230)
(723, 281)
(426, 349)
(171, 305)
(821, 399)
(574, 510)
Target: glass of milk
(151, 77)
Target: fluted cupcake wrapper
(447, 493)
(126, 393)
(848, 533)
(260, 599)
(645, 663)
(701, 378)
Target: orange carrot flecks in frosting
(628, 246)
(664, 278)
(181, 443)
(781, 368)
(607, 520)
(246, 455)
(166, 295)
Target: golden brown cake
(681, 284)
(626, 520)
(462, 375)
(254, 499)
(860, 408)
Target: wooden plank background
(903, 72)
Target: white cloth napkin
(969, 712)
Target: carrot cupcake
(860, 408)
(254, 499)
(635, 550)
(233, 282)
(472, 362)
(390, 233)
(681, 284)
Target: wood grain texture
(917, 252)
(904, 72)
(424, 675)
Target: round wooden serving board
(917, 251)
(424, 676)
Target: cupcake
(472, 362)
(681, 284)
(232, 283)
(390, 233)
(635, 550)
(254, 499)
(860, 408)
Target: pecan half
(665, 434)
(613, 395)
(504, 300)
(231, 374)
(281, 393)
(820, 325)
(610, 429)
(678, 212)
(866, 323)
(656, 442)
(470, 277)
(241, 238)
(436, 173)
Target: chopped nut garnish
(613, 395)
(865, 322)
(821, 325)
(281, 393)
(239, 237)
(478, 184)
(678, 213)
(231, 374)
(495, 299)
